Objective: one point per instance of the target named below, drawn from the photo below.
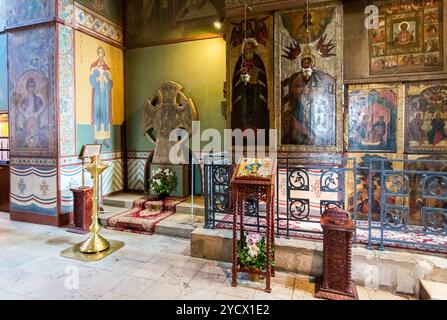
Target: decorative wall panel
(34, 189)
(67, 131)
(97, 24)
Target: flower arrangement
(163, 182)
(252, 252)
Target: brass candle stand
(95, 247)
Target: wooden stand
(336, 283)
(264, 190)
(83, 205)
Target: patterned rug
(143, 218)
(312, 230)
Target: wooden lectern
(83, 205)
(336, 283)
(254, 178)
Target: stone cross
(167, 110)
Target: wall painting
(168, 21)
(99, 88)
(110, 9)
(31, 101)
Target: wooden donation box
(254, 178)
(83, 206)
(336, 283)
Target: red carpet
(144, 216)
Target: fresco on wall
(251, 102)
(372, 118)
(33, 120)
(100, 91)
(25, 11)
(426, 114)
(3, 74)
(409, 37)
(309, 95)
(164, 21)
(111, 9)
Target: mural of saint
(32, 119)
(250, 101)
(404, 36)
(101, 83)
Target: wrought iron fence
(407, 204)
(400, 203)
(305, 187)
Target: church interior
(223, 149)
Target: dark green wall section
(85, 135)
(199, 66)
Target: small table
(263, 190)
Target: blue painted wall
(23, 12)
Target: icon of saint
(404, 36)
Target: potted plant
(162, 183)
(252, 254)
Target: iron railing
(400, 203)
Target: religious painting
(110, 9)
(372, 118)
(28, 11)
(408, 38)
(100, 91)
(251, 102)
(31, 101)
(309, 104)
(426, 114)
(152, 22)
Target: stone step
(179, 225)
(185, 208)
(122, 199)
(432, 290)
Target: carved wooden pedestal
(336, 283)
(264, 191)
(83, 205)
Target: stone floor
(148, 267)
